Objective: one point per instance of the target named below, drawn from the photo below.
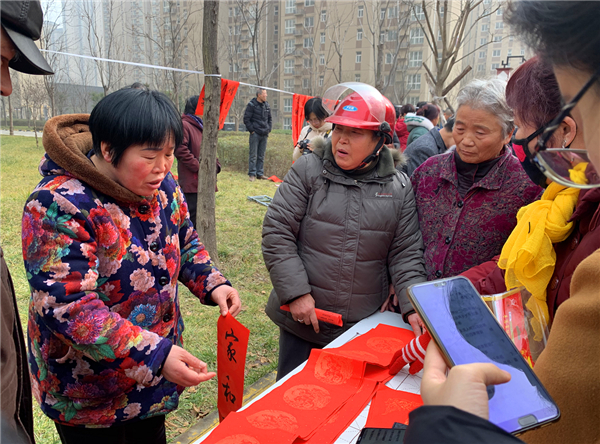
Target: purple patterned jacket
(461, 233)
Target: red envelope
(231, 363)
(390, 406)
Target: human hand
(463, 388)
(416, 323)
(228, 300)
(303, 310)
(391, 301)
(183, 368)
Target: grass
(239, 224)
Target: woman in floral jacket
(106, 236)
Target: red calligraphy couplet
(228, 90)
(390, 406)
(298, 117)
(231, 363)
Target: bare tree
(52, 39)
(338, 23)
(35, 97)
(446, 27)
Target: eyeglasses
(559, 164)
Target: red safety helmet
(362, 106)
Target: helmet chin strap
(371, 157)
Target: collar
(492, 181)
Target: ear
(105, 148)
(568, 130)
(507, 139)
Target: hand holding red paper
(183, 368)
(463, 388)
(303, 310)
(413, 353)
(322, 315)
(228, 300)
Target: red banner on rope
(298, 119)
(228, 90)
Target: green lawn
(239, 224)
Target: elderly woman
(106, 237)
(468, 198)
(341, 227)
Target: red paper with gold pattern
(232, 345)
(390, 406)
(298, 117)
(273, 428)
(228, 90)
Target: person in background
(258, 121)
(400, 128)
(468, 198)
(425, 120)
(188, 153)
(106, 237)
(21, 26)
(448, 114)
(574, 231)
(431, 144)
(342, 226)
(315, 115)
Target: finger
(189, 359)
(206, 376)
(414, 323)
(384, 307)
(492, 375)
(234, 303)
(396, 302)
(314, 321)
(188, 377)
(435, 366)
(202, 368)
(222, 303)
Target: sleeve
(417, 154)
(270, 119)
(184, 154)
(487, 278)
(197, 271)
(405, 257)
(280, 234)
(248, 118)
(449, 425)
(60, 253)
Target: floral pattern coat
(104, 309)
(461, 233)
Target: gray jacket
(341, 240)
(426, 146)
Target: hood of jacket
(412, 121)
(388, 158)
(67, 141)
(327, 126)
(193, 120)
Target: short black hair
(565, 33)
(449, 126)
(421, 104)
(408, 108)
(191, 104)
(134, 116)
(315, 105)
(138, 85)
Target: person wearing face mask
(468, 198)
(342, 226)
(106, 237)
(315, 115)
(570, 217)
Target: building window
(496, 53)
(321, 59)
(308, 42)
(288, 85)
(495, 66)
(290, 26)
(288, 66)
(483, 41)
(230, 12)
(413, 81)
(323, 16)
(275, 29)
(415, 59)
(252, 68)
(511, 38)
(287, 105)
(289, 46)
(392, 36)
(482, 54)
(382, 14)
(499, 25)
(358, 57)
(485, 28)
(359, 34)
(290, 6)
(497, 38)
(275, 104)
(382, 37)
(309, 2)
(522, 51)
(361, 11)
(287, 123)
(322, 38)
(499, 11)
(305, 83)
(309, 22)
(276, 10)
(308, 63)
(393, 12)
(321, 80)
(388, 58)
(357, 77)
(416, 36)
(509, 52)
(413, 100)
(417, 13)
(480, 68)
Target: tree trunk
(207, 174)
(11, 128)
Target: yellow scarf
(528, 255)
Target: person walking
(21, 26)
(257, 119)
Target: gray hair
(259, 91)
(488, 95)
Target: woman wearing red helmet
(342, 227)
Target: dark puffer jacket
(341, 240)
(257, 117)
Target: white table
(402, 381)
